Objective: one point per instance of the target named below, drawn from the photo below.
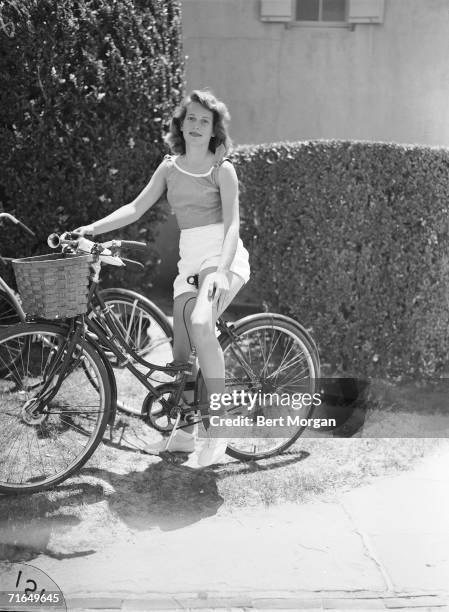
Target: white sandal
(182, 442)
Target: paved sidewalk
(382, 546)
(303, 602)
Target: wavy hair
(221, 117)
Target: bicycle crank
(159, 410)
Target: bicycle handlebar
(108, 251)
(17, 222)
(74, 239)
(132, 245)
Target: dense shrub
(85, 89)
(351, 238)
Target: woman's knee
(182, 310)
(202, 326)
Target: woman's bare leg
(194, 318)
(182, 336)
(203, 319)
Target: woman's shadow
(164, 495)
(169, 495)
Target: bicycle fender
(286, 319)
(112, 382)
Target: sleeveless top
(194, 198)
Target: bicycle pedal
(146, 452)
(173, 457)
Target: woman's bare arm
(229, 192)
(129, 213)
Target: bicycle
(142, 323)
(60, 394)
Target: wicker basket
(53, 286)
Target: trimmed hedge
(86, 87)
(351, 238)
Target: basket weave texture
(53, 286)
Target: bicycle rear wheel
(145, 327)
(148, 332)
(44, 441)
(268, 362)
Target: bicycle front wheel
(269, 366)
(50, 422)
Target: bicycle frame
(124, 352)
(109, 336)
(101, 329)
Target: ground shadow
(27, 527)
(236, 467)
(163, 495)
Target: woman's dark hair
(221, 117)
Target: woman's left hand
(218, 288)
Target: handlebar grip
(132, 244)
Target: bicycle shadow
(27, 529)
(236, 468)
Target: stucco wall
(379, 82)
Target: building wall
(387, 82)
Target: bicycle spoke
(273, 346)
(43, 439)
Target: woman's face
(197, 127)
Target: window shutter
(276, 10)
(365, 11)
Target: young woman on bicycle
(201, 187)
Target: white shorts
(200, 248)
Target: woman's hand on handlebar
(85, 230)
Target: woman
(202, 188)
